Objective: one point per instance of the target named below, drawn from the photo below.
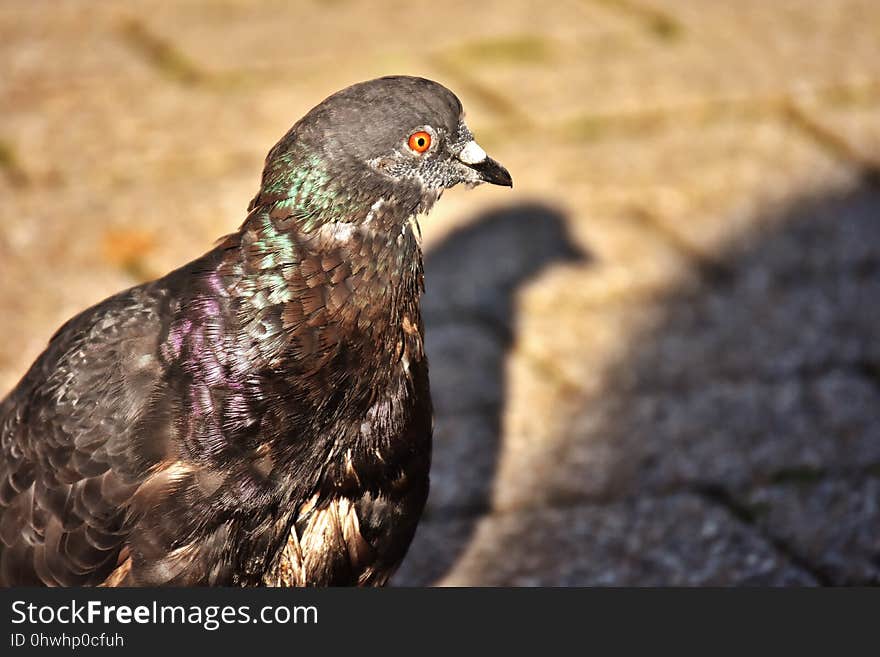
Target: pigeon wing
(80, 433)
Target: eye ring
(419, 141)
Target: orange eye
(419, 141)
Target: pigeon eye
(419, 141)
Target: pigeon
(260, 416)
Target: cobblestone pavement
(655, 361)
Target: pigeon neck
(301, 192)
(332, 253)
(364, 276)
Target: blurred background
(655, 361)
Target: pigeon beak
(488, 169)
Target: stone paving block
(781, 332)
(701, 185)
(689, 342)
(732, 434)
(110, 135)
(276, 35)
(857, 125)
(723, 434)
(679, 540)
(794, 295)
(545, 455)
(788, 44)
(833, 523)
(715, 52)
(47, 44)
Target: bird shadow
(735, 439)
(472, 278)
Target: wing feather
(72, 458)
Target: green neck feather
(298, 184)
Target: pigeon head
(394, 136)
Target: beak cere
(488, 169)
